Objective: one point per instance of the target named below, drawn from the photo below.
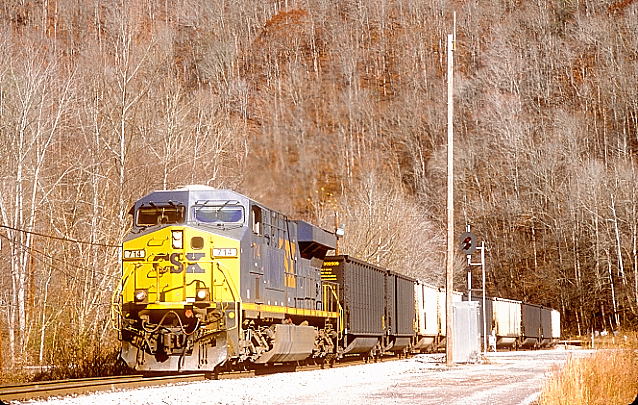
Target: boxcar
(427, 316)
(399, 298)
(555, 333)
(507, 321)
(361, 291)
(546, 327)
(531, 325)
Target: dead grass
(73, 357)
(610, 376)
(82, 358)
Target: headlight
(141, 296)
(178, 239)
(202, 294)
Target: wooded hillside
(315, 107)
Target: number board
(225, 252)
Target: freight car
(517, 324)
(427, 322)
(531, 327)
(212, 279)
(377, 306)
(507, 322)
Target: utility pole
(449, 283)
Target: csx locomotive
(213, 279)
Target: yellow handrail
(339, 307)
(116, 307)
(229, 282)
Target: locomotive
(212, 279)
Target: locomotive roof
(191, 195)
(310, 236)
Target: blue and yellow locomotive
(211, 278)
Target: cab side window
(256, 221)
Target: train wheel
(332, 361)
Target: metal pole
(469, 281)
(483, 275)
(449, 284)
(336, 226)
(469, 271)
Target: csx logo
(178, 263)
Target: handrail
(116, 307)
(339, 307)
(229, 282)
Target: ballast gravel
(499, 378)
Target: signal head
(468, 243)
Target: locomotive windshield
(219, 214)
(157, 214)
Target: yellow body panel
(172, 276)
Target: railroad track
(46, 389)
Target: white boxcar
(507, 321)
(555, 325)
(456, 297)
(427, 316)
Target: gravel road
(503, 378)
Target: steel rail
(57, 388)
(46, 389)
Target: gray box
(467, 338)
